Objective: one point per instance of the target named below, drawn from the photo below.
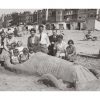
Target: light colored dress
(60, 48)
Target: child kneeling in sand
(71, 51)
(24, 56)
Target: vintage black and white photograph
(50, 49)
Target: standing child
(71, 51)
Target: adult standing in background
(32, 44)
(43, 39)
(53, 40)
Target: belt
(43, 44)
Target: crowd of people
(40, 41)
(53, 45)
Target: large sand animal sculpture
(55, 69)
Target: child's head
(70, 42)
(54, 32)
(25, 51)
(15, 52)
(41, 28)
(59, 38)
(32, 31)
(19, 44)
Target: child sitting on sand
(24, 56)
(70, 51)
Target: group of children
(18, 54)
(12, 47)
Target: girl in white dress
(60, 47)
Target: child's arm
(74, 52)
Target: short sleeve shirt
(70, 50)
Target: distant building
(41, 16)
(35, 17)
(70, 19)
(63, 18)
(21, 18)
(51, 15)
(26, 18)
(86, 18)
(1, 21)
(98, 15)
(6, 20)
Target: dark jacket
(53, 40)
